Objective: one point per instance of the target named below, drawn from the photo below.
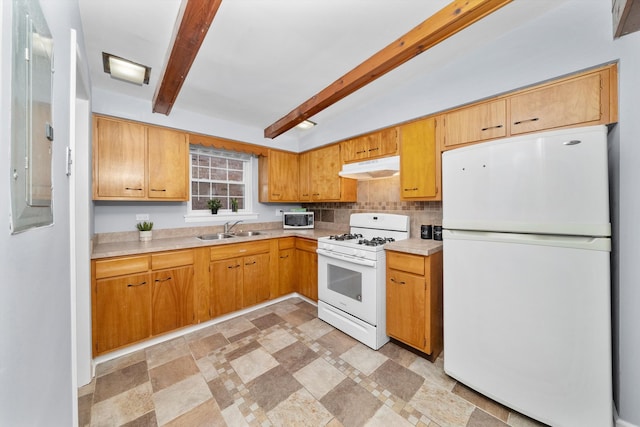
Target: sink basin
(246, 233)
(217, 236)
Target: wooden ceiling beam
(446, 22)
(197, 16)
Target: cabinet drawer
(287, 243)
(406, 262)
(171, 259)
(306, 245)
(121, 266)
(240, 249)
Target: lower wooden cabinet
(286, 266)
(307, 267)
(136, 297)
(414, 301)
(239, 276)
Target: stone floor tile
(300, 409)
(482, 402)
(220, 393)
(315, 328)
(337, 342)
(397, 379)
(253, 364)
(235, 326)
(363, 358)
(516, 419)
(118, 363)
(206, 414)
(162, 353)
(319, 377)
(284, 307)
(267, 321)
(180, 398)
(277, 340)
(241, 351)
(351, 404)
(84, 409)
(295, 356)
(243, 334)
(172, 372)
(202, 333)
(433, 372)
(296, 317)
(272, 387)
(234, 417)
(395, 352)
(385, 416)
(205, 346)
(442, 406)
(119, 381)
(479, 418)
(123, 407)
(146, 420)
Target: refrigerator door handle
(577, 242)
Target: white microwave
(297, 220)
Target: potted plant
(145, 230)
(214, 205)
(234, 205)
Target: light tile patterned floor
(282, 366)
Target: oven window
(345, 282)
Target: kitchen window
(219, 174)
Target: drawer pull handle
(249, 263)
(399, 282)
(535, 119)
(131, 188)
(491, 127)
(133, 285)
(163, 280)
(285, 256)
(374, 149)
(411, 189)
(153, 189)
(360, 152)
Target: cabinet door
(354, 149)
(172, 299)
(119, 160)
(226, 286)
(283, 176)
(304, 190)
(389, 142)
(307, 269)
(419, 161)
(168, 154)
(122, 311)
(286, 272)
(406, 308)
(477, 123)
(255, 284)
(569, 103)
(326, 165)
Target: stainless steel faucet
(227, 228)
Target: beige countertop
(133, 247)
(424, 247)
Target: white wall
(36, 386)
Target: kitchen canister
(437, 232)
(426, 231)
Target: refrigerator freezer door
(552, 183)
(529, 324)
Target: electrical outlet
(278, 212)
(142, 217)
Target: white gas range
(351, 276)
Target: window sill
(220, 216)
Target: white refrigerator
(526, 235)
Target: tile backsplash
(378, 195)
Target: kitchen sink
(247, 233)
(217, 236)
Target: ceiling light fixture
(123, 69)
(307, 124)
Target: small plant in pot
(214, 205)
(145, 230)
(234, 205)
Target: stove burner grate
(346, 236)
(376, 241)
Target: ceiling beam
(197, 16)
(454, 17)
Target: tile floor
(281, 366)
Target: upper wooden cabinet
(133, 161)
(420, 174)
(584, 99)
(378, 144)
(476, 123)
(304, 189)
(326, 184)
(278, 177)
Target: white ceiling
(262, 58)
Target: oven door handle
(347, 258)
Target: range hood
(370, 169)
